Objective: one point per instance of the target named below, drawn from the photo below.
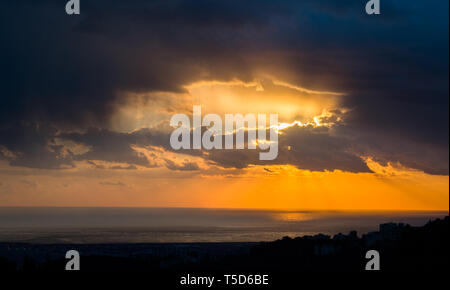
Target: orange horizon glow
(285, 188)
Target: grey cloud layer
(67, 72)
(305, 147)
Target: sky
(362, 103)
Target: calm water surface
(149, 225)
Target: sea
(55, 225)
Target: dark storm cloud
(318, 149)
(106, 145)
(33, 146)
(186, 166)
(68, 71)
(310, 148)
(307, 147)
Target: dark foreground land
(401, 248)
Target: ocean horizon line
(235, 209)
